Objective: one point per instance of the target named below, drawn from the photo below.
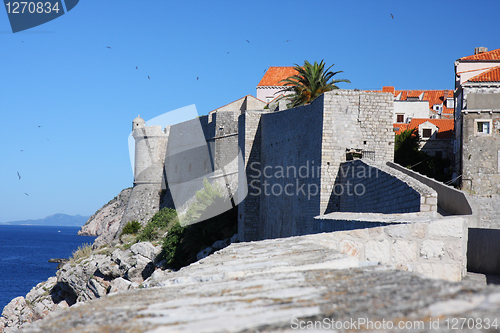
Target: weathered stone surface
(104, 223)
(119, 284)
(377, 251)
(266, 286)
(432, 249)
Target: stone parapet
(436, 248)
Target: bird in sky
(26, 194)
(149, 77)
(39, 126)
(392, 16)
(108, 47)
(18, 175)
(288, 40)
(197, 78)
(136, 67)
(265, 70)
(22, 150)
(228, 53)
(247, 41)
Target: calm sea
(24, 255)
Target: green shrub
(83, 251)
(159, 223)
(186, 238)
(131, 228)
(171, 249)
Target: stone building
(477, 121)
(270, 86)
(409, 104)
(436, 135)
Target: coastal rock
(272, 285)
(119, 284)
(105, 222)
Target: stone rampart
(366, 187)
(453, 201)
(436, 248)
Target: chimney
(388, 89)
(481, 49)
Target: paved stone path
(269, 286)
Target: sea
(25, 252)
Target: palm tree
(310, 82)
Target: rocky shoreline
(106, 267)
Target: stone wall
(411, 242)
(367, 187)
(288, 174)
(313, 139)
(353, 120)
(480, 155)
(249, 142)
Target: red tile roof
(445, 126)
(486, 56)
(432, 96)
(414, 93)
(491, 75)
(274, 75)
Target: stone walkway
(273, 286)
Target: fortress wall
(367, 187)
(434, 248)
(249, 142)
(353, 120)
(289, 173)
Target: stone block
(450, 272)
(404, 251)
(447, 228)
(350, 248)
(418, 230)
(454, 251)
(378, 251)
(397, 231)
(432, 249)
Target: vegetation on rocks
(131, 228)
(83, 251)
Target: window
(400, 118)
(483, 127)
(450, 103)
(427, 132)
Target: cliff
(105, 222)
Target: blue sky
(68, 101)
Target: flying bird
(149, 77)
(228, 53)
(136, 67)
(26, 194)
(288, 40)
(392, 16)
(39, 126)
(18, 175)
(247, 41)
(197, 78)
(108, 47)
(265, 70)
(22, 150)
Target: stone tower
(150, 150)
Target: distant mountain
(60, 220)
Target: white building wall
(411, 109)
